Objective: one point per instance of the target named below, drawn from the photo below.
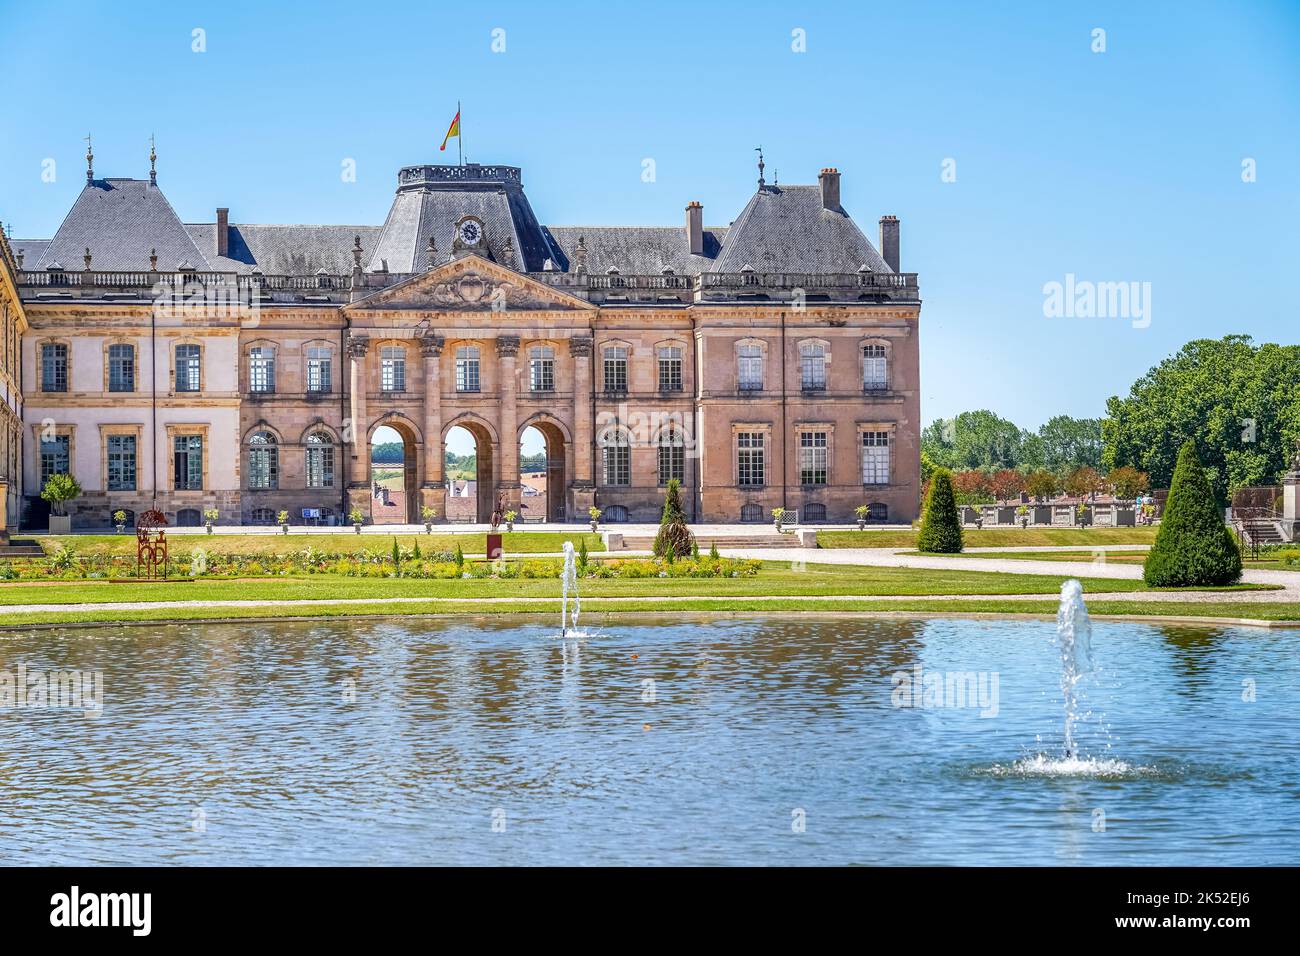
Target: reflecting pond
(654, 740)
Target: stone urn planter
(208, 525)
(121, 528)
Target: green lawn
(515, 542)
(993, 538)
(593, 613)
(776, 578)
(1112, 557)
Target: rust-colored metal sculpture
(151, 546)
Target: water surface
(759, 741)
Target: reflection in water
(402, 741)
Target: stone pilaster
(508, 476)
(582, 489)
(433, 490)
(359, 495)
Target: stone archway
(558, 467)
(407, 510)
(485, 471)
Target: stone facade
(795, 387)
(13, 324)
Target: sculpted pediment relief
(471, 284)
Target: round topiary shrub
(1193, 548)
(940, 525)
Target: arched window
(261, 516)
(188, 518)
(617, 453)
(320, 460)
(749, 367)
(672, 455)
(751, 512)
(875, 370)
(128, 521)
(261, 369)
(541, 368)
(392, 368)
(812, 366)
(615, 514)
(814, 513)
(263, 461)
(467, 368)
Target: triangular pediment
(470, 284)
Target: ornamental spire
(153, 160)
(90, 162)
(759, 150)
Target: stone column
(359, 495)
(508, 425)
(1291, 504)
(582, 486)
(433, 490)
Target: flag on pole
(452, 130)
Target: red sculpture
(151, 546)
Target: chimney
(223, 231)
(889, 241)
(830, 183)
(695, 228)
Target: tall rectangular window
(189, 368)
(670, 369)
(467, 370)
(392, 368)
(615, 365)
(618, 460)
(121, 462)
(812, 458)
(541, 369)
(875, 458)
(54, 367)
(320, 461)
(874, 371)
(319, 372)
(749, 368)
(261, 369)
(812, 366)
(188, 462)
(750, 467)
(672, 457)
(121, 368)
(54, 457)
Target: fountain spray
(569, 581)
(1074, 637)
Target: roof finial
(759, 150)
(90, 161)
(153, 159)
(431, 255)
(356, 251)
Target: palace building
(246, 368)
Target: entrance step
(25, 548)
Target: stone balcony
(610, 289)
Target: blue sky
(1120, 166)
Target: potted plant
(58, 491)
(778, 515)
(357, 518)
(594, 514)
(119, 519)
(1081, 514)
(283, 519)
(510, 517)
(1023, 514)
(428, 514)
(862, 511)
(210, 517)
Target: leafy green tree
(1042, 484)
(1070, 443)
(940, 525)
(59, 490)
(1237, 401)
(1193, 548)
(674, 538)
(978, 439)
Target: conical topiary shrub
(674, 536)
(1193, 548)
(940, 525)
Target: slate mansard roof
(781, 229)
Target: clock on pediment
(469, 235)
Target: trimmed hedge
(1193, 548)
(940, 524)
